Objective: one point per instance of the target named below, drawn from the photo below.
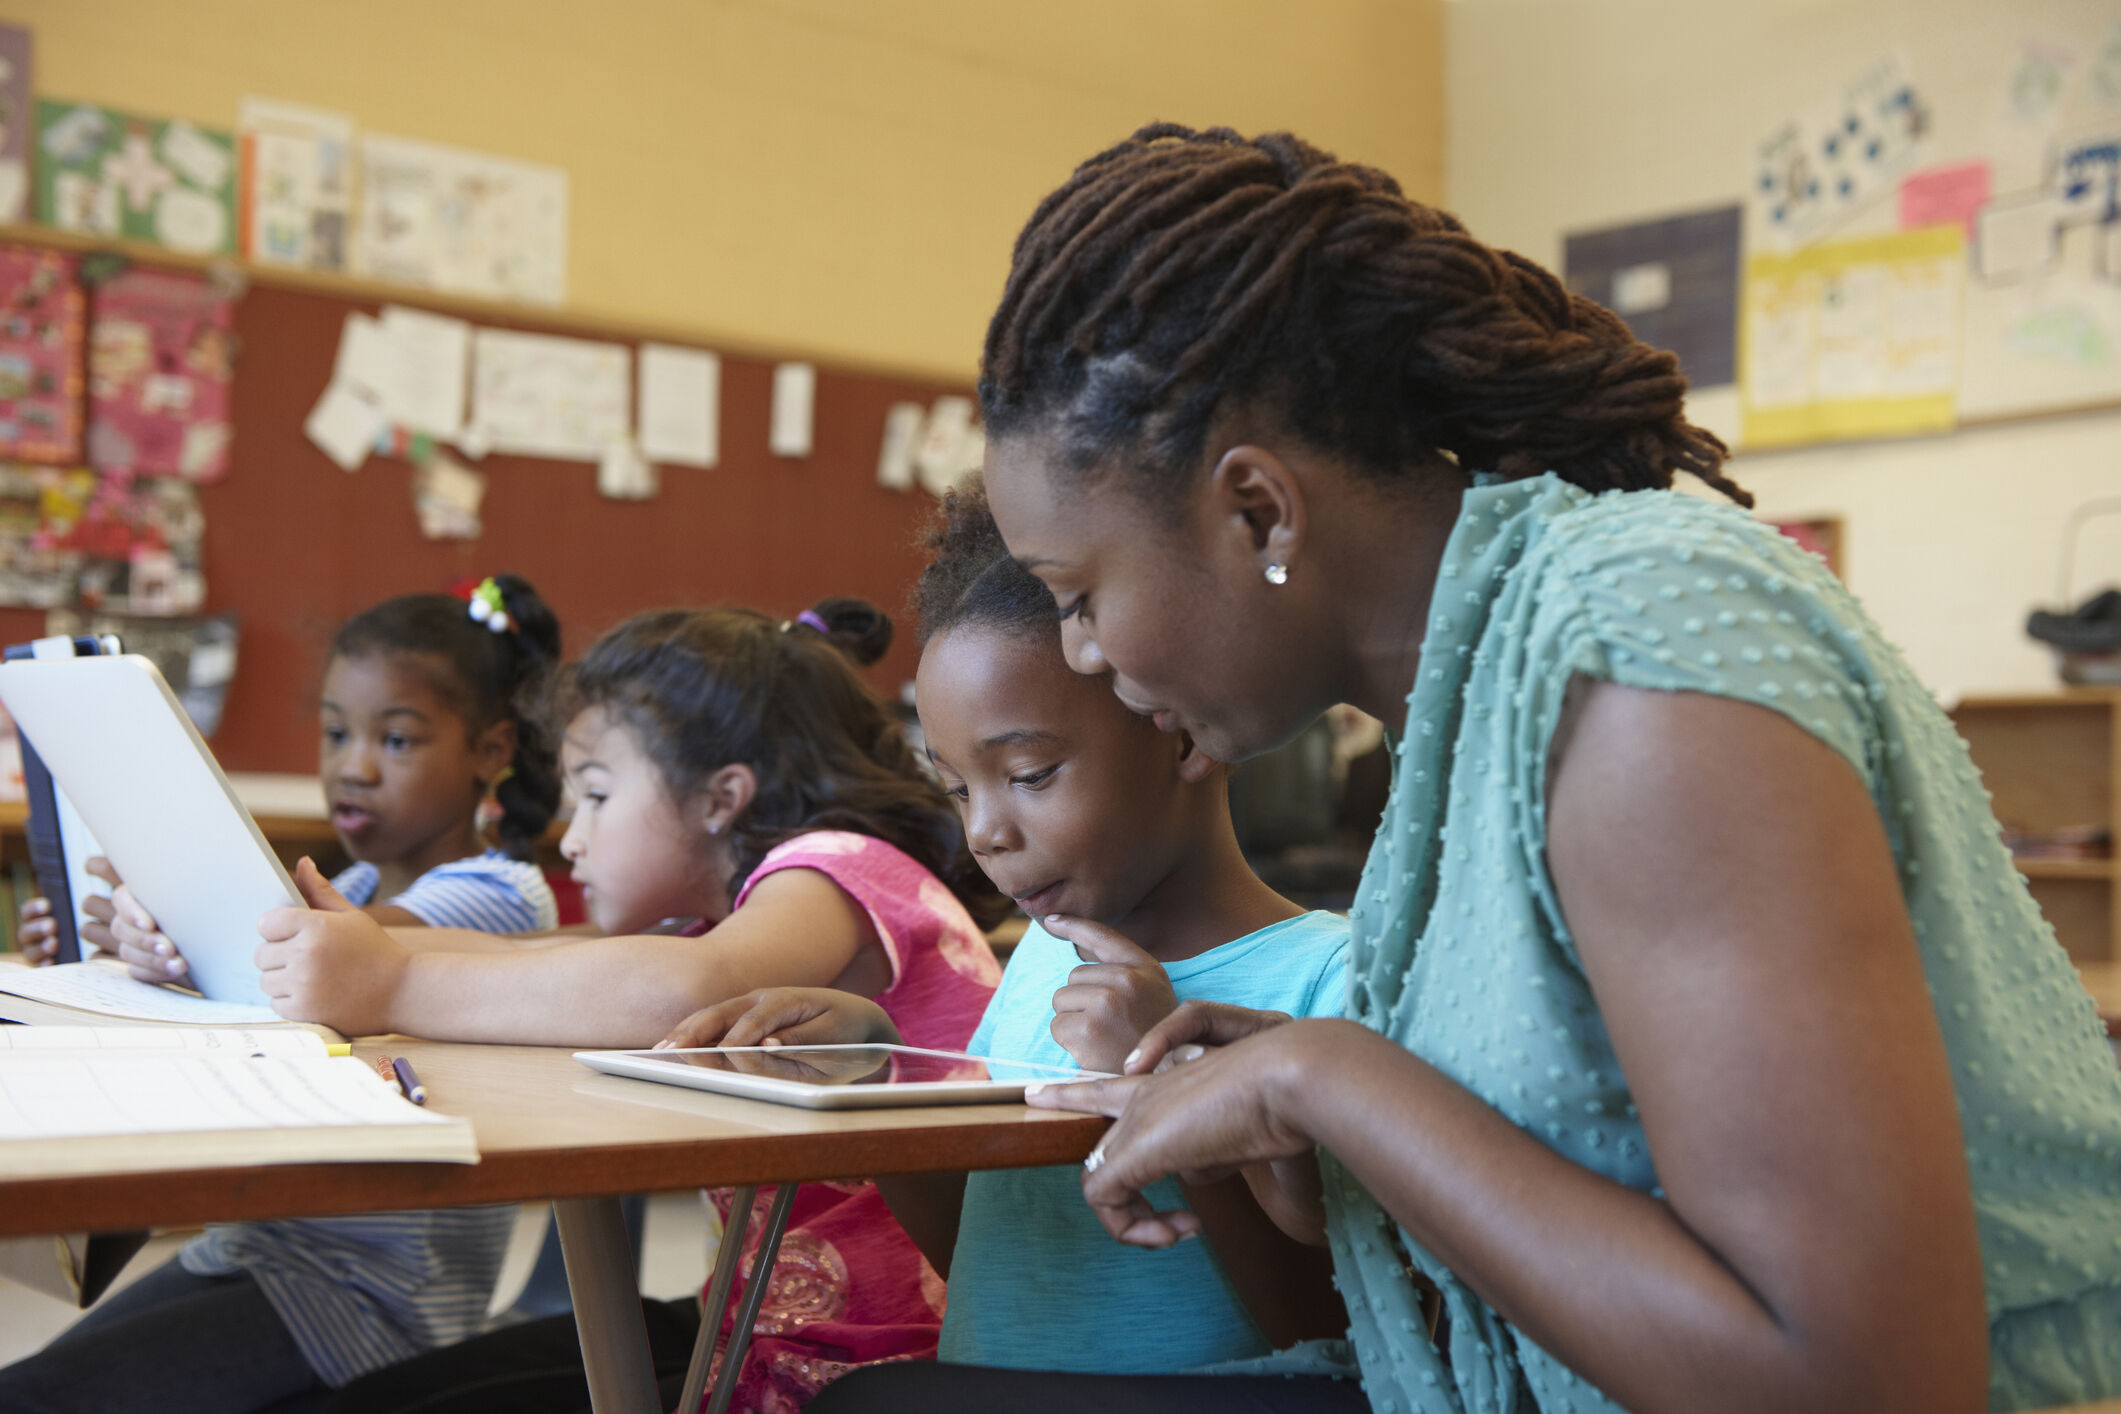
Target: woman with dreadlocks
(1703, 1049)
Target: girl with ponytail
(1703, 1049)
(422, 730)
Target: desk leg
(748, 1314)
(727, 1253)
(607, 1306)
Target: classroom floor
(673, 1263)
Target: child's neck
(398, 875)
(1210, 897)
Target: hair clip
(489, 608)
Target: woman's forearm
(1606, 1278)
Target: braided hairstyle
(708, 688)
(487, 677)
(1181, 273)
(970, 577)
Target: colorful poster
(40, 355)
(116, 542)
(462, 221)
(107, 173)
(1675, 282)
(542, 396)
(297, 188)
(16, 120)
(160, 358)
(1856, 338)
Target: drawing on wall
(1854, 338)
(540, 395)
(1816, 169)
(108, 173)
(17, 118)
(1675, 282)
(161, 354)
(40, 355)
(297, 190)
(462, 221)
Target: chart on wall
(161, 356)
(462, 221)
(107, 173)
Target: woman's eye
(1079, 607)
(957, 792)
(1033, 778)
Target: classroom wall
(838, 178)
(1566, 115)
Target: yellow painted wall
(841, 178)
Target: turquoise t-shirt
(1036, 1283)
(1459, 950)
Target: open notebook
(141, 1099)
(100, 992)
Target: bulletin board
(293, 546)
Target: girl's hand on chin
(329, 962)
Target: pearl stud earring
(1277, 573)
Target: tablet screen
(859, 1065)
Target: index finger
(1199, 1023)
(103, 869)
(1090, 1097)
(707, 1025)
(1094, 942)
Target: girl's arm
(1738, 910)
(333, 964)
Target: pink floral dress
(850, 1288)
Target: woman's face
(1178, 610)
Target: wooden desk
(549, 1128)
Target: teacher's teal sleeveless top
(1461, 954)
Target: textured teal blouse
(1461, 954)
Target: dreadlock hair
(1181, 273)
(706, 688)
(970, 577)
(486, 676)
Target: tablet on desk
(119, 744)
(837, 1077)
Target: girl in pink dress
(730, 768)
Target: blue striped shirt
(360, 1292)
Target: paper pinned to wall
(109, 173)
(1952, 194)
(940, 456)
(344, 425)
(433, 356)
(2017, 239)
(902, 435)
(446, 496)
(1853, 339)
(296, 199)
(540, 395)
(681, 399)
(462, 221)
(1814, 170)
(794, 406)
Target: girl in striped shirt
(422, 748)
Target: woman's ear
(1261, 496)
(726, 796)
(494, 750)
(1194, 765)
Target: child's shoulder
(491, 892)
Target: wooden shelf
(2052, 762)
(2037, 868)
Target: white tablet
(120, 746)
(837, 1077)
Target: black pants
(968, 1389)
(532, 1368)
